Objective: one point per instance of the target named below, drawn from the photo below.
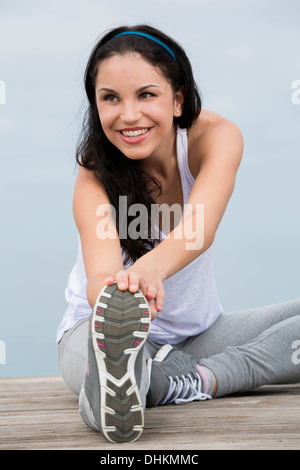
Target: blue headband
(137, 33)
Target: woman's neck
(163, 162)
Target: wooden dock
(41, 413)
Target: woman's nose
(130, 112)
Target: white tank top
(191, 303)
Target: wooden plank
(41, 413)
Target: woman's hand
(146, 280)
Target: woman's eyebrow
(107, 89)
(110, 90)
(145, 87)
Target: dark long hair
(117, 174)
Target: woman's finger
(159, 300)
(134, 281)
(150, 292)
(109, 280)
(152, 309)
(122, 279)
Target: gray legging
(244, 350)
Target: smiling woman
(107, 66)
(131, 114)
(144, 325)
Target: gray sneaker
(110, 401)
(173, 378)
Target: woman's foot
(174, 378)
(110, 399)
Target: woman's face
(136, 106)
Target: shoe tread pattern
(121, 333)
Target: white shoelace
(188, 389)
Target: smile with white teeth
(135, 133)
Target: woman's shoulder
(210, 131)
(208, 126)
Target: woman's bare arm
(102, 257)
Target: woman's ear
(178, 102)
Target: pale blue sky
(245, 56)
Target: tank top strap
(187, 179)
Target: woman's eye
(145, 95)
(110, 98)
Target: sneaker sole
(120, 326)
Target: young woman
(144, 325)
